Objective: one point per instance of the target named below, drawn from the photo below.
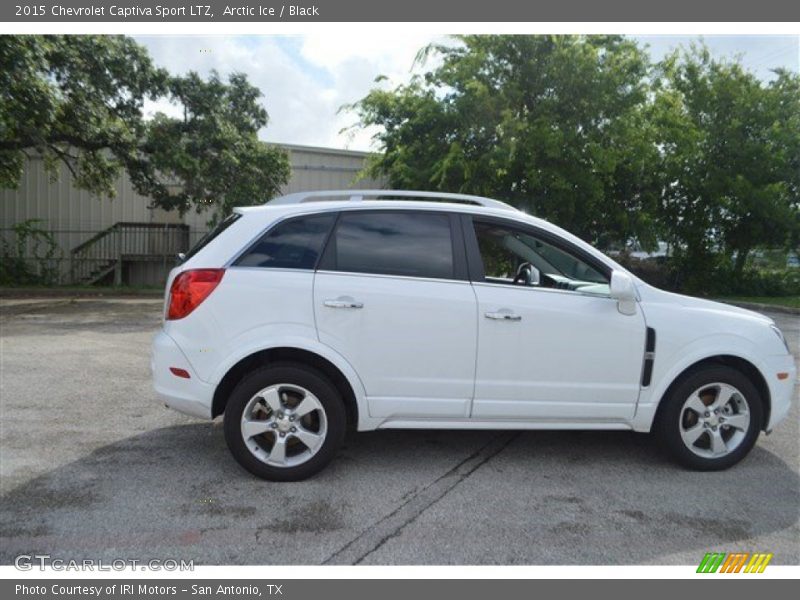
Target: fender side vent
(650, 343)
(649, 356)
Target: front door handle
(343, 303)
(503, 315)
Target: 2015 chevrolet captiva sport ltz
(385, 309)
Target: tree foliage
(553, 124)
(730, 158)
(587, 132)
(78, 101)
(214, 150)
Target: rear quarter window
(211, 235)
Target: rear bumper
(189, 396)
(781, 390)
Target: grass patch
(788, 301)
(80, 290)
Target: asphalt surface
(93, 466)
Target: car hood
(651, 294)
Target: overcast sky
(306, 78)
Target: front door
(553, 345)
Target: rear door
(392, 296)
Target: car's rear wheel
(711, 419)
(284, 422)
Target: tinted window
(207, 238)
(294, 244)
(394, 243)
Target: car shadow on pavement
(546, 498)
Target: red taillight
(189, 289)
(178, 372)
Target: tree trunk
(741, 260)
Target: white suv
(387, 309)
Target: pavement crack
(390, 526)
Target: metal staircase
(106, 253)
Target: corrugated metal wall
(312, 169)
(327, 169)
(62, 206)
(75, 214)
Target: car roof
(369, 204)
(319, 200)
(499, 210)
(358, 195)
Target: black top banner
(399, 11)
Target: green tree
(730, 160)
(556, 125)
(213, 150)
(78, 101)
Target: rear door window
(411, 244)
(293, 244)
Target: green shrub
(757, 282)
(716, 279)
(658, 272)
(28, 258)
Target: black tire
(291, 374)
(668, 421)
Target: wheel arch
(303, 356)
(742, 365)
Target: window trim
(327, 259)
(475, 261)
(231, 264)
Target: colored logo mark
(734, 562)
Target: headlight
(779, 333)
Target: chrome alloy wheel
(284, 425)
(714, 420)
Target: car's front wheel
(711, 419)
(284, 422)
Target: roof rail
(359, 195)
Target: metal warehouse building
(122, 240)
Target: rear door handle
(343, 303)
(503, 315)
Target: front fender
(668, 367)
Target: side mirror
(536, 276)
(623, 291)
(527, 274)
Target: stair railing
(107, 249)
